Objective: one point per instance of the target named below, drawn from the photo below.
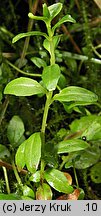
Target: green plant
(40, 157)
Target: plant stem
(76, 47)
(5, 105)
(63, 162)
(52, 59)
(9, 166)
(16, 173)
(6, 180)
(66, 54)
(42, 171)
(76, 179)
(22, 72)
(96, 52)
(49, 94)
(44, 120)
(32, 8)
(46, 109)
(49, 97)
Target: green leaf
(4, 152)
(66, 18)
(46, 11)
(26, 198)
(74, 93)
(95, 173)
(35, 177)
(93, 132)
(82, 123)
(89, 125)
(70, 106)
(15, 130)
(9, 197)
(28, 34)
(87, 157)
(29, 153)
(71, 145)
(58, 181)
(62, 81)
(24, 87)
(20, 156)
(50, 155)
(62, 133)
(50, 76)
(46, 43)
(33, 152)
(28, 192)
(54, 9)
(21, 140)
(44, 192)
(38, 62)
(82, 194)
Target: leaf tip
(72, 19)
(13, 40)
(30, 15)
